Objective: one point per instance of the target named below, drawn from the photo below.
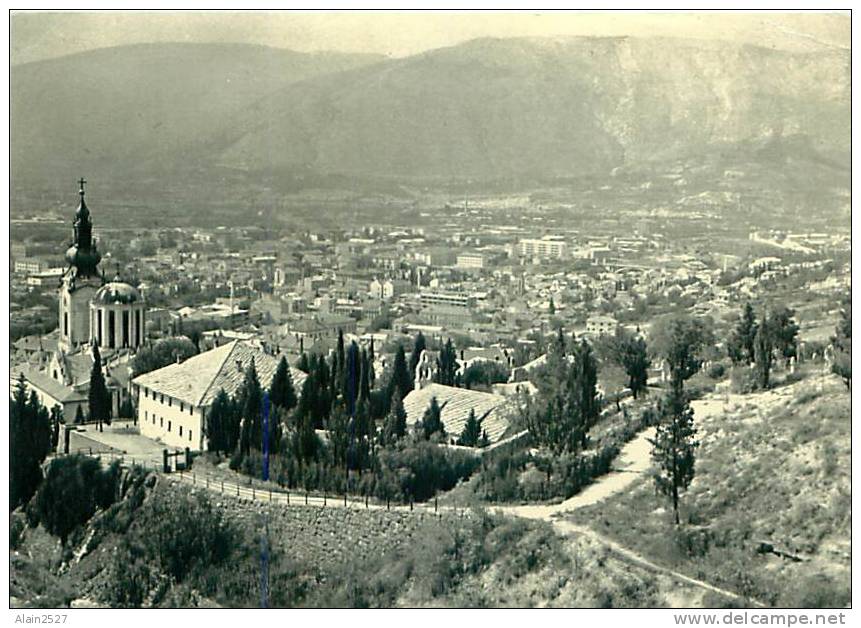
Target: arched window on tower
(99, 327)
(137, 328)
(66, 324)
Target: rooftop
(455, 404)
(198, 380)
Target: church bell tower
(80, 281)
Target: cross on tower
(82, 183)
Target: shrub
(74, 487)
(743, 380)
(17, 527)
(186, 534)
(716, 370)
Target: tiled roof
(50, 387)
(198, 380)
(455, 404)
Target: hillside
(329, 557)
(773, 473)
(119, 112)
(495, 108)
(182, 125)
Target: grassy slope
(774, 468)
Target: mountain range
(488, 109)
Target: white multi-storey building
(546, 247)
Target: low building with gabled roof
(173, 401)
(455, 405)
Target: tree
(583, 384)
(400, 374)
(29, 444)
(74, 487)
(634, 358)
(472, 432)
(446, 365)
(303, 363)
(741, 343)
(163, 353)
(673, 447)
(566, 406)
(365, 378)
(56, 419)
(250, 398)
(395, 423)
(416, 354)
(371, 375)
(784, 332)
(552, 308)
(350, 379)
(281, 391)
(484, 373)
(763, 351)
(679, 340)
(306, 444)
(842, 344)
(99, 398)
(338, 360)
(432, 420)
(219, 423)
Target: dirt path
(633, 463)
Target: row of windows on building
(169, 401)
(161, 423)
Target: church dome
(117, 292)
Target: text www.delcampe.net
(749, 618)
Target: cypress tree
(303, 363)
(371, 375)
(98, 397)
(219, 423)
(584, 373)
(419, 346)
(339, 364)
(446, 365)
(635, 360)
(281, 391)
(472, 432)
(400, 374)
(741, 344)
(351, 378)
(29, 444)
(250, 399)
(432, 420)
(364, 378)
(395, 423)
(763, 353)
(56, 420)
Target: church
(92, 311)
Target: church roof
(198, 380)
(455, 404)
(48, 386)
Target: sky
(37, 36)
